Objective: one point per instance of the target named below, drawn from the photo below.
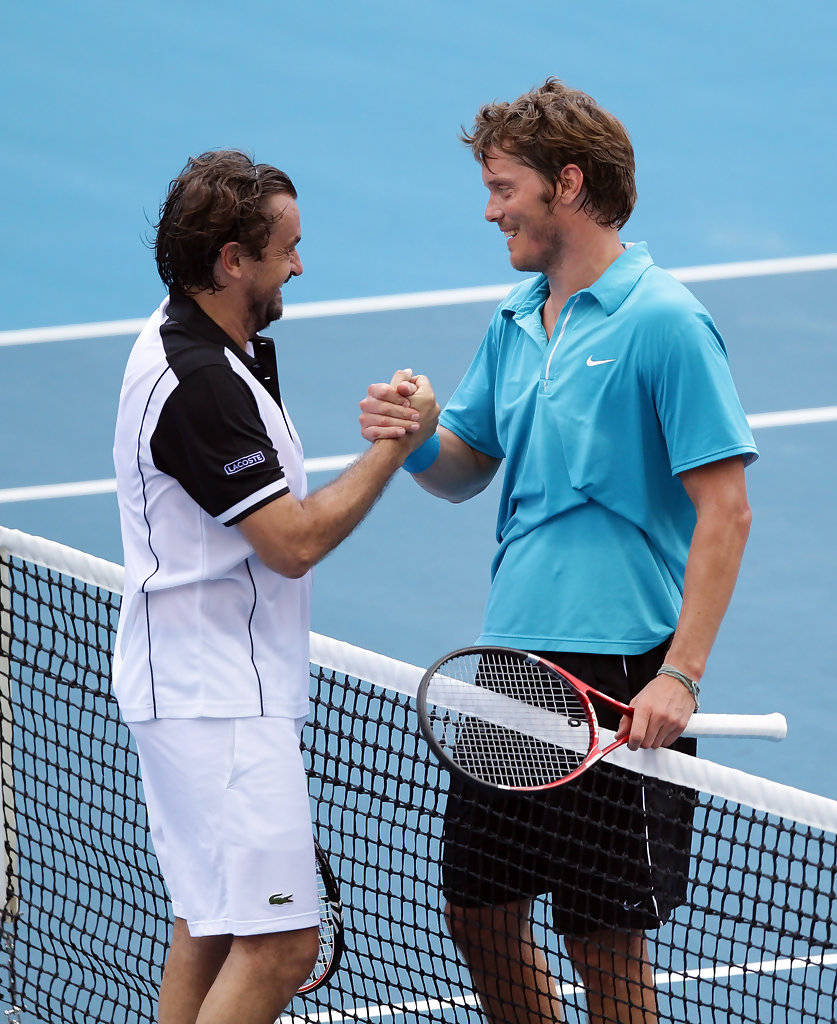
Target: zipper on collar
(560, 336)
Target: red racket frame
(596, 752)
(585, 691)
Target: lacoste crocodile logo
(278, 898)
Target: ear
(229, 261)
(570, 184)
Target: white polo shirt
(202, 441)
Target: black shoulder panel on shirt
(185, 353)
(210, 435)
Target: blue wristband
(423, 457)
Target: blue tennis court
(732, 111)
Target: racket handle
(768, 727)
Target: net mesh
(86, 917)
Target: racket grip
(768, 727)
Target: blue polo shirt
(595, 423)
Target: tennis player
(623, 516)
(211, 661)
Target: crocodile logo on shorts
(278, 898)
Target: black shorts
(612, 847)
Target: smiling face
(279, 261)
(519, 204)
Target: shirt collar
(610, 290)
(185, 310)
(618, 281)
(527, 297)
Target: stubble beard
(275, 309)
(262, 313)
(549, 244)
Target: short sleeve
(470, 413)
(211, 438)
(696, 401)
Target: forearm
(291, 536)
(711, 571)
(330, 514)
(459, 472)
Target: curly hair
(552, 126)
(217, 198)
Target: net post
(7, 797)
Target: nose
(492, 211)
(296, 265)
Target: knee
(308, 950)
(204, 953)
(281, 958)
(470, 928)
(491, 931)
(298, 958)
(606, 951)
(456, 921)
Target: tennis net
(86, 920)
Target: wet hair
(218, 197)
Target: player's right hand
(386, 411)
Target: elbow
(298, 564)
(727, 522)
(744, 520)
(292, 570)
(456, 492)
(465, 493)
(737, 520)
(284, 538)
(454, 497)
(291, 564)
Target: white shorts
(228, 809)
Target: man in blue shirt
(605, 386)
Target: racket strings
(508, 721)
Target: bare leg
(508, 970)
(191, 967)
(615, 971)
(259, 977)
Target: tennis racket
(332, 940)
(513, 721)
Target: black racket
(332, 941)
(513, 721)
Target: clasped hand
(406, 408)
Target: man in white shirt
(211, 660)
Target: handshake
(404, 410)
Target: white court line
(422, 300)
(84, 488)
(661, 980)
(793, 417)
(333, 463)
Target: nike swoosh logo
(598, 362)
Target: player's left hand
(386, 410)
(662, 710)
